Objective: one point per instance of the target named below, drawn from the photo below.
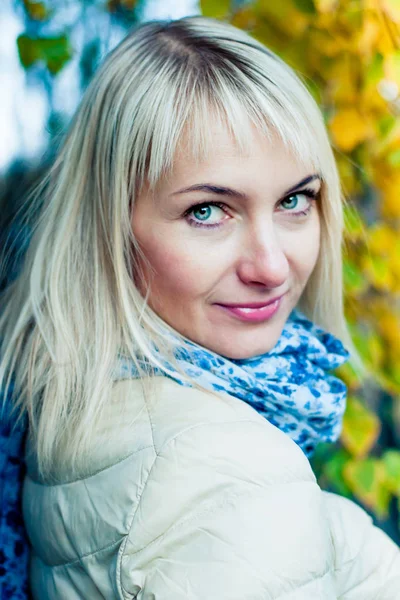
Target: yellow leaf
(378, 272)
(392, 9)
(389, 141)
(361, 428)
(394, 265)
(332, 45)
(284, 16)
(389, 325)
(36, 10)
(350, 377)
(326, 6)
(245, 18)
(391, 197)
(348, 175)
(370, 32)
(392, 67)
(349, 129)
(343, 81)
(382, 240)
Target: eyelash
(311, 194)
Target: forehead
(261, 160)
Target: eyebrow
(226, 191)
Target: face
(231, 242)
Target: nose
(263, 261)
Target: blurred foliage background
(348, 54)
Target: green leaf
(361, 428)
(306, 6)
(367, 480)
(333, 471)
(394, 158)
(375, 69)
(386, 125)
(369, 345)
(364, 473)
(354, 280)
(353, 222)
(391, 461)
(349, 373)
(28, 50)
(378, 272)
(55, 52)
(218, 9)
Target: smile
(254, 315)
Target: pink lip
(254, 312)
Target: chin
(241, 351)
(245, 354)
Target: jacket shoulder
(228, 495)
(173, 409)
(178, 419)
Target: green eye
(291, 202)
(202, 213)
(297, 204)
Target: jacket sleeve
(229, 511)
(367, 560)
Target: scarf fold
(290, 385)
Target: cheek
(176, 272)
(304, 250)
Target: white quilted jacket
(192, 496)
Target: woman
(159, 342)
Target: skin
(260, 251)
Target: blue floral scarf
(290, 385)
(14, 552)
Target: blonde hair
(75, 307)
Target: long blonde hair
(75, 307)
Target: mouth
(254, 312)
